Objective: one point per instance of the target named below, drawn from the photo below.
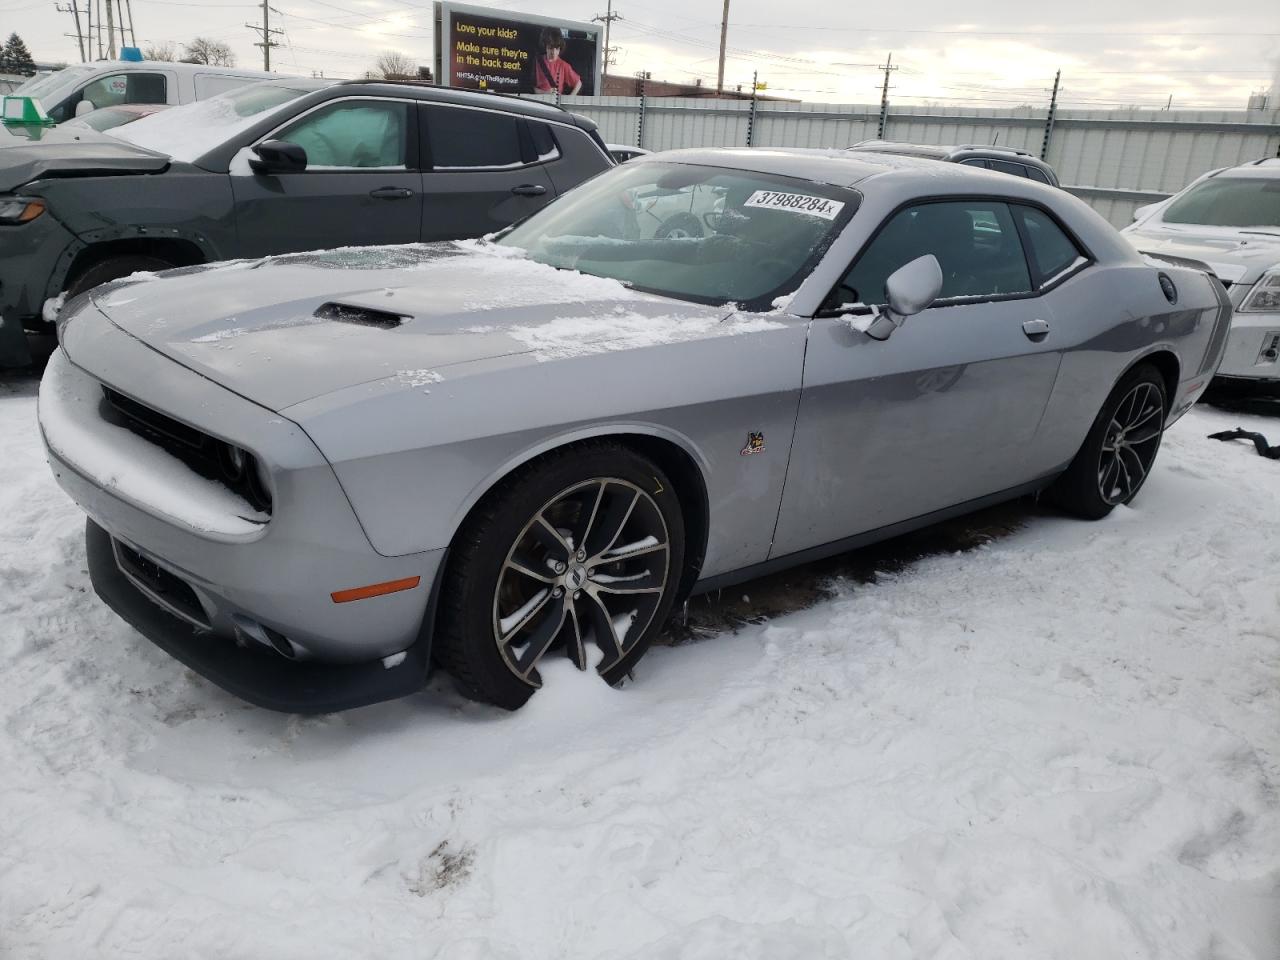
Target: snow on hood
(1235, 255)
(252, 325)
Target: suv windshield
(50, 88)
(187, 133)
(706, 234)
(1229, 202)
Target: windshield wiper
(1263, 233)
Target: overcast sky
(1002, 53)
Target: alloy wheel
(1130, 444)
(589, 569)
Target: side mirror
(83, 107)
(278, 156)
(910, 289)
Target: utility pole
(607, 19)
(1048, 121)
(128, 8)
(266, 31)
(888, 68)
(74, 10)
(97, 19)
(724, 33)
(111, 33)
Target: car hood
(63, 152)
(1234, 255)
(286, 329)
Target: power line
(266, 32)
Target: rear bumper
(1243, 388)
(262, 678)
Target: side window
(1053, 253)
(460, 138)
(113, 90)
(544, 141)
(1035, 173)
(974, 162)
(1006, 166)
(212, 84)
(359, 134)
(975, 241)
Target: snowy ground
(1062, 743)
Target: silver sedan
(310, 477)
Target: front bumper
(245, 589)
(1235, 389)
(260, 677)
(1253, 347)
(31, 256)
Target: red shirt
(563, 77)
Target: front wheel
(578, 555)
(1120, 450)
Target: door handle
(529, 190)
(391, 193)
(1036, 330)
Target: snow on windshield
(41, 87)
(187, 133)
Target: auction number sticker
(796, 203)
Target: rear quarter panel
(1111, 317)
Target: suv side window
(1007, 166)
(974, 162)
(362, 134)
(1053, 253)
(459, 138)
(544, 141)
(975, 241)
(135, 86)
(1035, 173)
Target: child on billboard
(551, 73)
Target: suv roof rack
(432, 85)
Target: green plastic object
(24, 110)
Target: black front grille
(208, 456)
(168, 590)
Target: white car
(1229, 219)
(79, 89)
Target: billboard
(483, 48)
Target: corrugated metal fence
(1114, 159)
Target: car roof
(179, 67)
(939, 151)
(838, 167)
(1267, 168)
(430, 92)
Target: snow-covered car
(308, 475)
(1229, 220)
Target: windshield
(706, 234)
(50, 88)
(187, 133)
(1229, 202)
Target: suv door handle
(529, 190)
(391, 193)
(1036, 330)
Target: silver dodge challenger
(310, 477)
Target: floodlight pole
(1048, 122)
(724, 33)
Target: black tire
(113, 268)
(469, 640)
(681, 225)
(1080, 489)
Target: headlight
(1265, 295)
(20, 209)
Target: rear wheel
(113, 268)
(578, 556)
(1119, 451)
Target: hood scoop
(360, 316)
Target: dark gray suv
(275, 167)
(1018, 163)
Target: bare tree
(212, 52)
(167, 51)
(394, 65)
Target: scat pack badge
(755, 444)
